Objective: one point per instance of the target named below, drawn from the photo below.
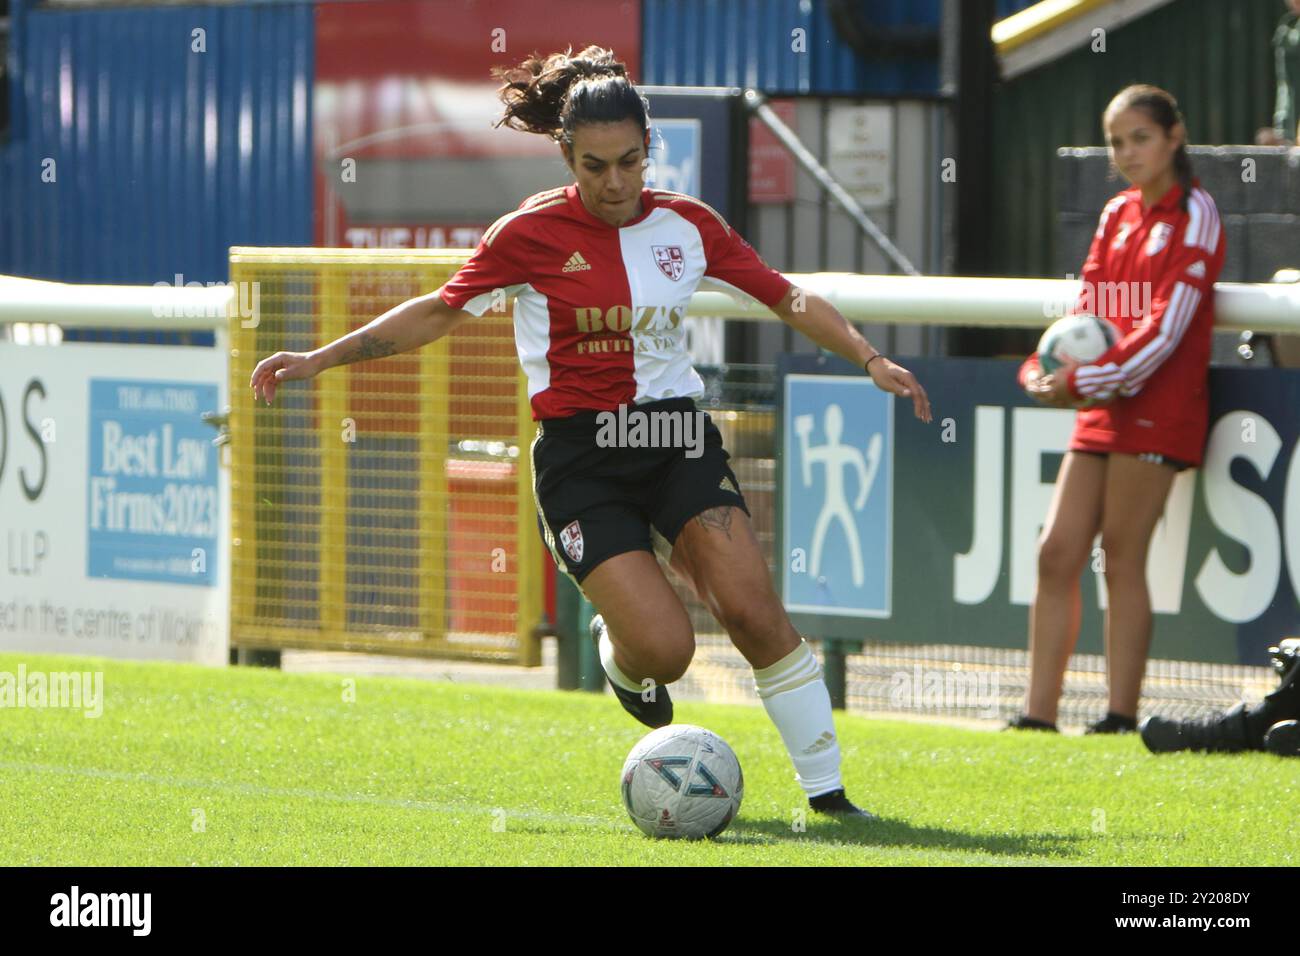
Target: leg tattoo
(719, 518)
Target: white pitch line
(259, 790)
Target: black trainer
(1284, 702)
(1025, 722)
(656, 712)
(1241, 728)
(1283, 738)
(1113, 723)
(836, 804)
(1227, 733)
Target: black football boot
(656, 712)
(836, 804)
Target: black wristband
(867, 367)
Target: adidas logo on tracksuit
(576, 263)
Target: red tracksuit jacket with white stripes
(1152, 273)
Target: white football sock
(795, 697)
(616, 675)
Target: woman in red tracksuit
(1143, 404)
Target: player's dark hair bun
(1161, 106)
(554, 95)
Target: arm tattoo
(369, 347)
(719, 518)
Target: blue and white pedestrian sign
(838, 495)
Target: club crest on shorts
(1160, 234)
(670, 260)
(571, 538)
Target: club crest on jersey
(1160, 234)
(670, 260)
(571, 538)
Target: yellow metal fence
(384, 506)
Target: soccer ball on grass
(682, 782)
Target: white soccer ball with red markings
(1080, 338)
(682, 782)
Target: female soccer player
(602, 271)
(1143, 404)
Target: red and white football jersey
(1152, 273)
(598, 308)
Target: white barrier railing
(915, 300)
(994, 302)
(141, 307)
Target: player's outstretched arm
(414, 323)
(822, 322)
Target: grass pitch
(191, 765)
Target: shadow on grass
(897, 833)
(880, 833)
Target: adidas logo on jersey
(1197, 269)
(726, 484)
(576, 263)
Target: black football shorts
(596, 499)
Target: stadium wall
(751, 44)
(1214, 57)
(803, 231)
(1261, 213)
(139, 149)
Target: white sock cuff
(797, 668)
(612, 669)
(825, 779)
